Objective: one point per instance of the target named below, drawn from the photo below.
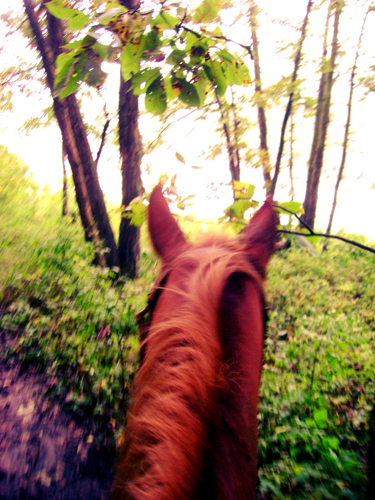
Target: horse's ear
(260, 235)
(166, 236)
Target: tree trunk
(264, 153)
(89, 196)
(288, 110)
(131, 155)
(347, 128)
(231, 143)
(315, 164)
(65, 185)
(291, 155)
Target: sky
(41, 149)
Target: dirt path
(44, 453)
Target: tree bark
(131, 155)
(291, 155)
(288, 110)
(347, 129)
(315, 164)
(65, 185)
(89, 196)
(264, 153)
(232, 149)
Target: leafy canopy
(167, 52)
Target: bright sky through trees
(192, 139)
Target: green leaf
(238, 208)
(136, 212)
(215, 73)
(156, 97)
(96, 77)
(76, 19)
(142, 80)
(66, 64)
(197, 54)
(321, 417)
(71, 87)
(292, 206)
(130, 59)
(207, 11)
(243, 190)
(110, 15)
(165, 21)
(226, 56)
(331, 443)
(105, 52)
(202, 86)
(185, 91)
(56, 8)
(176, 57)
(193, 40)
(152, 40)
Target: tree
(315, 164)
(260, 98)
(347, 127)
(131, 154)
(196, 63)
(288, 110)
(50, 39)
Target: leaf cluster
(168, 53)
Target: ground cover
(75, 324)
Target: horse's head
(192, 427)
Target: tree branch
(102, 140)
(331, 236)
(218, 37)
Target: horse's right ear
(166, 236)
(260, 235)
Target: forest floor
(45, 452)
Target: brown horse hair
(180, 377)
(191, 430)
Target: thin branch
(102, 140)
(291, 155)
(236, 124)
(219, 37)
(313, 233)
(297, 217)
(331, 236)
(166, 127)
(234, 167)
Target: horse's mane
(181, 373)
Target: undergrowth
(77, 323)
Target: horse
(191, 430)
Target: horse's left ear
(166, 236)
(260, 235)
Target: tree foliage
(166, 51)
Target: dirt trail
(44, 453)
